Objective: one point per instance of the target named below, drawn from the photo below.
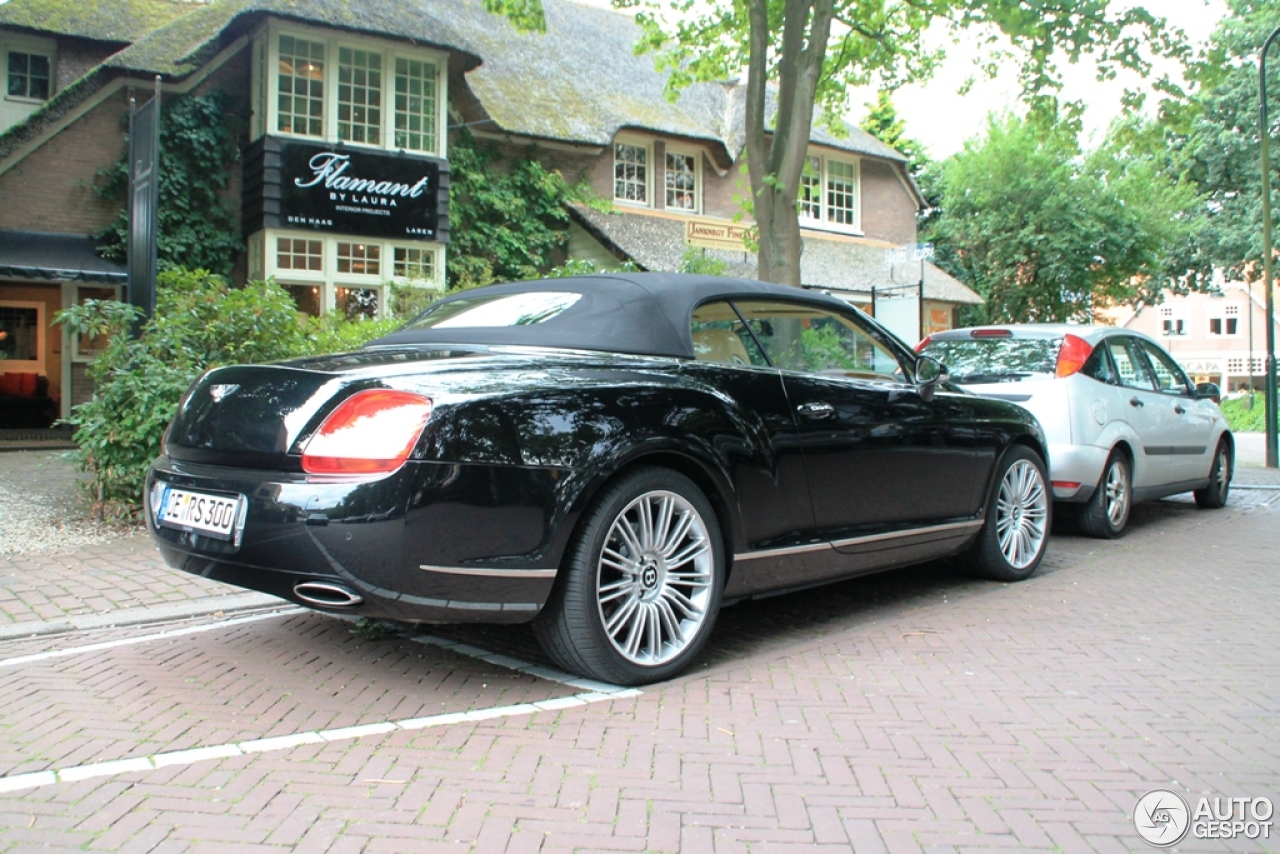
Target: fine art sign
(353, 191)
(715, 234)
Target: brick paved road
(918, 710)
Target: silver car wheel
(654, 578)
(1116, 494)
(1021, 513)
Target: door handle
(1133, 401)
(1180, 409)
(816, 409)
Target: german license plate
(212, 515)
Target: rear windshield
(995, 360)
(490, 310)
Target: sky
(941, 119)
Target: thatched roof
(657, 243)
(117, 21)
(580, 81)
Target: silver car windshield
(995, 360)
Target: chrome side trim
(897, 535)
(490, 572)
(783, 552)
(855, 541)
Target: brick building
(345, 109)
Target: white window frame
(824, 221)
(696, 155)
(636, 142)
(28, 366)
(327, 278)
(390, 51)
(10, 44)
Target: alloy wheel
(654, 578)
(1116, 494)
(1021, 513)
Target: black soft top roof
(646, 314)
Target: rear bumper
(432, 542)
(1078, 464)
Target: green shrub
(200, 322)
(1243, 419)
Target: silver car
(1123, 421)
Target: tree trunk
(775, 167)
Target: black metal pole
(1272, 450)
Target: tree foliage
(1045, 232)
(883, 122)
(196, 229)
(1215, 135)
(817, 50)
(508, 219)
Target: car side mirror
(930, 373)
(1210, 391)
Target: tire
(633, 604)
(1019, 514)
(1214, 496)
(1106, 514)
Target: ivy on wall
(507, 218)
(197, 149)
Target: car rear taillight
(1072, 355)
(372, 432)
(925, 343)
(991, 333)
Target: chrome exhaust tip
(325, 594)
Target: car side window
(805, 338)
(719, 335)
(1168, 374)
(1130, 366)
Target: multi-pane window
(842, 192)
(361, 93)
(1228, 323)
(408, 262)
(300, 77)
(29, 76)
(1171, 324)
(359, 96)
(359, 258)
(416, 105)
(811, 189)
(295, 254)
(828, 192)
(682, 181)
(631, 173)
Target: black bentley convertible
(612, 457)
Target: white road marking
(591, 692)
(172, 633)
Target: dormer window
(829, 194)
(29, 76)
(631, 172)
(346, 89)
(682, 173)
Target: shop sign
(715, 234)
(358, 192)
